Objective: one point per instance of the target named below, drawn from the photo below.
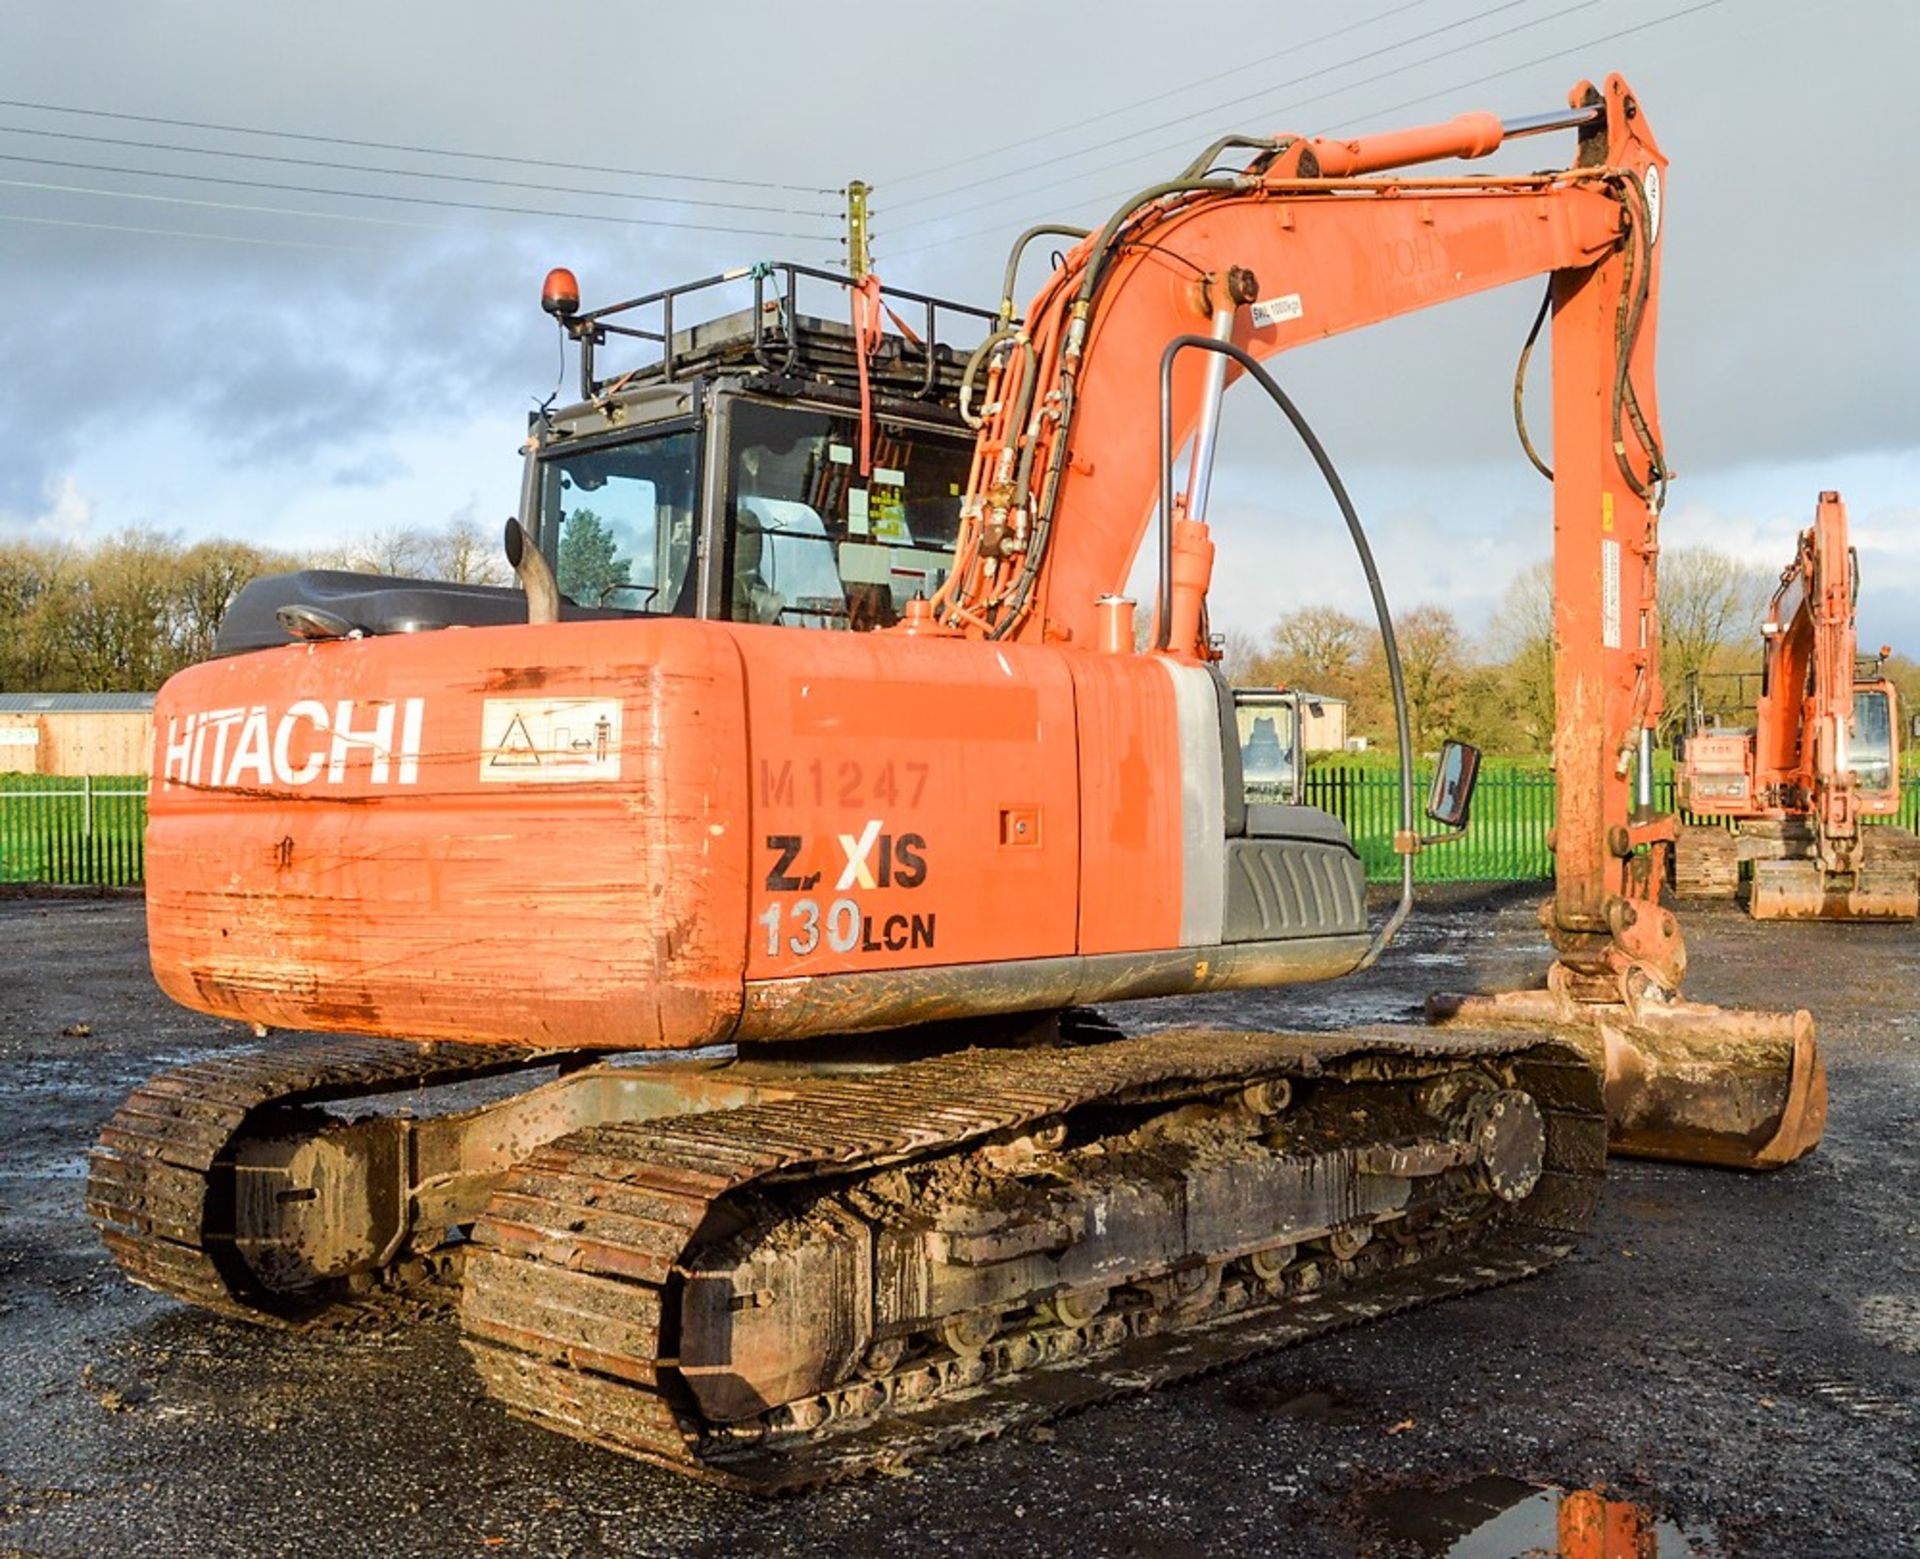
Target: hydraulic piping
(1406, 843)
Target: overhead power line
(176, 232)
(1213, 110)
(950, 239)
(1544, 59)
(409, 200)
(1127, 108)
(359, 218)
(398, 146)
(1293, 107)
(413, 173)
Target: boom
(1806, 701)
(1300, 245)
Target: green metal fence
(90, 831)
(1507, 838)
(87, 831)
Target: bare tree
(1520, 637)
(1710, 608)
(465, 554)
(33, 581)
(460, 552)
(394, 549)
(1239, 656)
(1316, 647)
(1434, 667)
(206, 578)
(113, 620)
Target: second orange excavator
(883, 1185)
(1805, 788)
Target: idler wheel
(1078, 1308)
(1193, 1288)
(1347, 1243)
(966, 1335)
(1511, 1134)
(1268, 1265)
(884, 1357)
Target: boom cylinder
(1207, 435)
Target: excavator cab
(746, 508)
(743, 472)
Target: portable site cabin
(75, 733)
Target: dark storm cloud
(1788, 331)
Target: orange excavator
(1821, 757)
(733, 971)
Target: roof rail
(772, 334)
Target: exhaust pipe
(543, 590)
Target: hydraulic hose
(1395, 677)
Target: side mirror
(1450, 801)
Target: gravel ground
(1740, 1353)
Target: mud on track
(1743, 1354)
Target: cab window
(1269, 745)
(621, 519)
(1871, 746)
(815, 543)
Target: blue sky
(317, 366)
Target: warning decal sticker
(547, 741)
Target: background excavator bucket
(1800, 890)
(1685, 1081)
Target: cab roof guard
(772, 333)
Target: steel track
(570, 1290)
(159, 1183)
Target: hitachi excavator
(1822, 756)
(883, 1184)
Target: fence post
(86, 790)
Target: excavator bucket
(1800, 890)
(1685, 1080)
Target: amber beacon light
(560, 293)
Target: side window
(1269, 745)
(624, 516)
(816, 544)
(1872, 740)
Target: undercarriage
(1786, 879)
(778, 1274)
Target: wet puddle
(1496, 1517)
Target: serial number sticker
(548, 741)
(1274, 311)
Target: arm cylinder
(1469, 135)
